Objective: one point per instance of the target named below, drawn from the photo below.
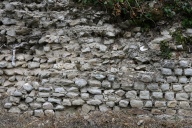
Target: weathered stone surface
(94, 102)
(35, 105)
(78, 102)
(66, 102)
(172, 79)
(183, 80)
(153, 86)
(169, 96)
(94, 90)
(49, 113)
(188, 72)
(131, 94)
(182, 96)
(160, 104)
(136, 103)
(106, 84)
(38, 113)
(15, 110)
(139, 86)
(178, 71)
(144, 95)
(184, 63)
(28, 87)
(157, 95)
(146, 78)
(166, 71)
(81, 82)
(184, 104)
(165, 87)
(94, 83)
(171, 104)
(177, 87)
(123, 103)
(53, 100)
(87, 108)
(188, 88)
(23, 107)
(8, 105)
(48, 106)
(33, 65)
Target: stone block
(160, 104)
(183, 79)
(78, 102)
(188, 72)
(169, 96)
(178, 71)
(184, 104)
(39, 113)
(172, 79)
(136, 103)
(139, 86)
(188, 87)
(148, 104)
(123, 103)
(157, 95)
(153, 86)
(184, 63)
(144, 95)
(182, 96)
(166, 71)
(171, 104)
(165, 87)
(177, 87)
(131, 94)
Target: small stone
(183, 80)
(182, 96)
(66, 102)
(165, 87)
(17, 93)
(38, 113)
(188, 88)
(28, 87)
(123, 103)
(131, 94)
(72, 94)
(53, 100)
(110, 104)
(59, 108)
(81, 82)
(99, 76)
(184, 104)
(60, 90)
(33, 65)
(120, 93)
(47, 106)
(35, 105)
(103, 108)
(85, 96)
(8, 21)
(23, 107)
(148, 104)
(144, 95)
(166, 71)
(94, 83)
(15, 110)
(78, 102)
(157, 95)
(106, 84)
(184, 63)
(94, 102)
(177, 87)
(136, 103)
(169, 64)
(188, 72)
(49, 113)
(153, 87)
(160, 104)
(44, 89)
(169, 96)
(28, 100)
(87, 108)
(94, 90)
(172, 104)
(146, 78)
(172, 79)
(178, 71)
(139, 86)
(8, 105)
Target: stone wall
(69, 56)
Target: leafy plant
(165, 50)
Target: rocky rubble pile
(73, 57)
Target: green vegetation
(146, 12)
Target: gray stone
(8, 105)
(94, 102)
(53, 100)
(115, 85)
(66, 102)
(103, 108)
(131, 94)
(123, 103)
(23, 107)
(94, 90)
(166, 71)
(110, 104)
(106, 84)
(178, 71)
(169, 96)
(146, 78)
(47, 106)
(120, 93)
(139, 86)
(148, 104)
(60, 90)
(165, 87)
(188, 87)
(184, 104)
(94, 83)
(44, 89)
(59, 108)
(177, 87)
(35, 105)
(43, 94)
(28, 100)
(183, 80)
(188, 72)
(99, 76)
(33, 65)
(169, 64)
(157, 95)
(172, 79)
(87, 108)
(85, 96)
(111, 78)
(99, 97)
(144, 95)
(182, 96)
(15, 110)
(153, 86)
(8, 21)
(58, 94)
(136, 103)
(39, 113)
(28, 87)
(78, 102)
(184, 63)
(171, 104)
(14, 99)
(3, 64)
(17, 93)
(73, 89)
(160, 104)
(72, 94)
(49, 113)
(81, 82)
(40, 100)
